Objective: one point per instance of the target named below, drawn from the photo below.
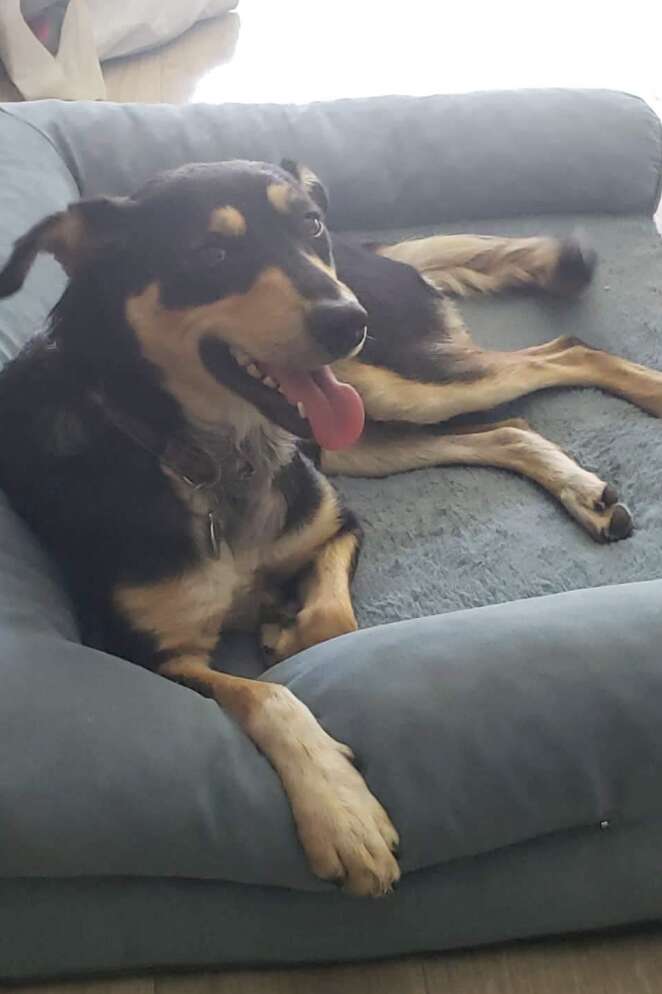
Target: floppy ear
(71, 236)
(309, 181)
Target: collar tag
(213, 534)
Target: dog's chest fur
(247, 507)
(239, 526)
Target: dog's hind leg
(469, 264)
(511, 445)
(486, 379)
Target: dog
(210, 363)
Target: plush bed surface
(517, 746)
(542, 162)
(450, 538)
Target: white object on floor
(124, 28)
(73, 73)
(92, 30)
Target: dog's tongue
(334, 409)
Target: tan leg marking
(345, 832)
(510, 445)
(181, 611)
(565, 362)
(298, 547)
(466, 264)
(324, 593)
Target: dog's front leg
(344, 830)
(324, 595)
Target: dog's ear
(71, 236)
(309, 181)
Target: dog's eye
(313, 225)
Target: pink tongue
(334, 409)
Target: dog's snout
(338, 326)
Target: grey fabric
(585, 879)
(477, 729)
(450, 538)
(32, 600)
(536, 720)
(498, 738)
(393, 160)
(31, 8)
(34, 181)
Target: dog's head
(224, 275)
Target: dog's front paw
(345, 832)
(278, 641)
(347, 835)
(312, 625)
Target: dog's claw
(620, 524)
(609, 495)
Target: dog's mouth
(307, 403)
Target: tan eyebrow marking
(279, 196)
(227, 221)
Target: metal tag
(213, 536)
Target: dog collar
(187, 461)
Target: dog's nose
(338, 326)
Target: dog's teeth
(268, 382)
(301, 409)
(240, 356)
(253, 371)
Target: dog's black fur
(97, 497)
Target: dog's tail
(470, 264)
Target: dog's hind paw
(574, 268)
(595, 505)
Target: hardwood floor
(194, 67)
(609, 964)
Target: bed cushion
(516, 744)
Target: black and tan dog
(163, 437)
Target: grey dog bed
(517, 744)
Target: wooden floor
(212, 62)
(623, 964)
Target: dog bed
(511, 728)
